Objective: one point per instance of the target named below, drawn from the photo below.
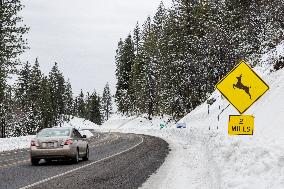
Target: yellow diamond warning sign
(242, 87)
(241, 125)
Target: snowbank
(15, 143)
(81, 124)
(88, 133)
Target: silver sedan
(59, 143)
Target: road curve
(116, 161)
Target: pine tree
(94, 110)
(46, 104)
(137, 85)
(139, 74)
(168, 46)
(136, 38)
(75, 107)
(148, 58)
(22, 84)
(106, 103)
(33, 117)
(9, 117)
(157, 65)
(22, 100)
(88, 107)
(124, 62)
(146, 72)
(57, 87)
(81, 105)
(118, 62)
(12, 44)
(68, 100)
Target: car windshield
(53, 132)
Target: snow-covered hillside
(204, 156)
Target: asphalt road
(116, 161)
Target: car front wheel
(76, 158)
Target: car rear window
(53, 132)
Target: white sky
(82, 36)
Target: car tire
(35, 161)
(48, 161)
(75, 160)
(86, 157)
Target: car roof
(59, 128)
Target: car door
(75, 139)
(81, 142)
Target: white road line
(102, 142)
(78, 168)
(15, 163)
(12, 159)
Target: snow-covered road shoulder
(204, 156)
(15, 143)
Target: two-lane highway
(116, 161)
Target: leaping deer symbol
(241, 86)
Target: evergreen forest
(169, 64)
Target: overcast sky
(82, 36)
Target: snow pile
(116, 121)
(15, 143)
(88, 133)
(81, 124)
(84, 126)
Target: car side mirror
(84, 136)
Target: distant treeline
(37, 101)
(171, 64)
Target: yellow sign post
(241, 125)
(242, 87)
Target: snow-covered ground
(204, 156)
(15, 143)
